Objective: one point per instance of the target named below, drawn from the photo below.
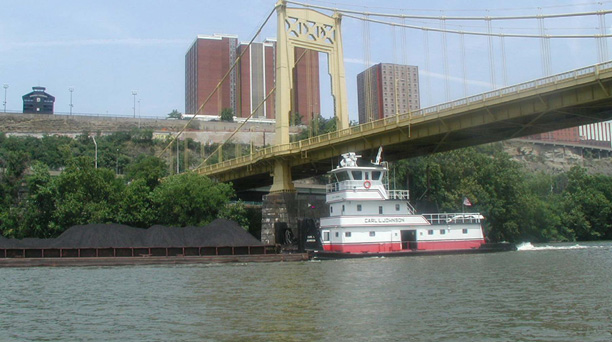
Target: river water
(560, 292)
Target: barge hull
(132, 261)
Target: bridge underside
(547, 108)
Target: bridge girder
(570, 102)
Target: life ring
(367, 184)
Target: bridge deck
(564, 100)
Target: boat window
(376, 175)
(357, 175)
(442, 231)
(343, 208)
(397, 207)
(430, 232)
(331, 209)
(465, 231)
(358, 207)
(347, 234)
(325, 236)
(342, 176)
(337, 234)
(380, 209)
(367, 175)
(372, 233)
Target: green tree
(189, 199)
(148, 168)
(85, 195)
(296, 119)
(175, 114)
(227, 114)
(136, 205)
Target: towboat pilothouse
(367, 219)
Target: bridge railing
(405, 117)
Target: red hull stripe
(396, 246)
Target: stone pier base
(278, 207)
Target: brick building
(386, 89)
(210, 57)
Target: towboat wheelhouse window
(376, 175)
(357, 175)
(342, 176)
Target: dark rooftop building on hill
(38, 101)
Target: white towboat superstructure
(365, 217)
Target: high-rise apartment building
(210, 57)
(387, 89)
(206, 62)
(256, 79)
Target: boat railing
(454, 218)
(345, 185)
(399, 194)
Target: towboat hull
(485, 248)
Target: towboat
(366, 219)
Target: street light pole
(134, 93)
(71, 90)
(5, 88)
(96, 147)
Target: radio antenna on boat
(378, 156)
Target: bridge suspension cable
(458, 18)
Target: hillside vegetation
(132, 186)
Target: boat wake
(528, 246)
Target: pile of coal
(219, 233)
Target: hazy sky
(106, 49)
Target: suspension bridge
(551, 102)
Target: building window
(380, 209)
(347, 234)
(358, 207)
(465, 231)
(442, 231)
(397, 207)
(372, 233)
(430, 232)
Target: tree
(296, 119)
(227, 114)
(83, 194)
(136, 205)
(175, 114)
(189, 199)
(148, 168)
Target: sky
(105, 50)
